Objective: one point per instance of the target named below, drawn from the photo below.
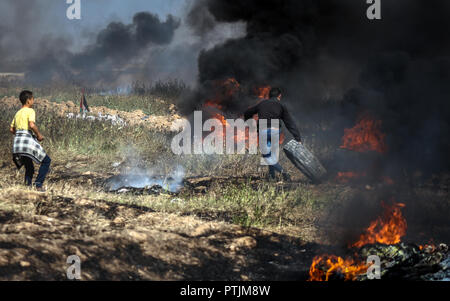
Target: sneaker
(286, 177)
(271, 178)
(40, 189)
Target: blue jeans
(29, 171)
(274, 165)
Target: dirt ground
(115, 241)
(123, 242)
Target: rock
(139, 236)
(246, 242)
(24, 264)
(84, 202)
(119, 220)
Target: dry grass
(83, 154)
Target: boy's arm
(32, 125)
(12, 128)
(34, 128)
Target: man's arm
(290, 125)
(12, 130)
(34, 128)
(250, 112)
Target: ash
(147, 182)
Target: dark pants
(274, 167)
(29, 171)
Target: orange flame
(263, 92)
(212, 104)
(346, 177)
(334, 264)
(365, 136)
(388, 229)
(429, 247)
(224, 90)
(240, 135)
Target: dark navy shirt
(273, 109)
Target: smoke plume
(117, 48)
(329, 52)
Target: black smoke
(117, 48)
(102, 58)
(328, 52)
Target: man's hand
(12, 130)
(40, 138)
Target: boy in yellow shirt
(26, 147)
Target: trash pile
(397, 260)
(114, 119)
(410, 262)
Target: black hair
(24, 96)
(275, 92)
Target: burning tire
(305, 161)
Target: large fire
(365, 136)
(224, 91)
(388, 230)
(263, 92)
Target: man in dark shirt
(273, 109)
